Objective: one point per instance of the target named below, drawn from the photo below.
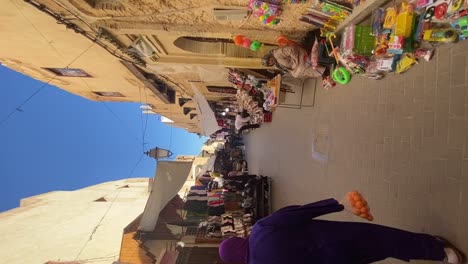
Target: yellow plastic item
(445, 35)
(404, 21)
(390, 18)
(405, 63)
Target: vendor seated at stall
(295, 60)
(242, 123)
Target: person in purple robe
(292, 236)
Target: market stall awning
(208, 122)
(169, 179)
(209, 165)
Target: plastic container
(363, 40)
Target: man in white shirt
(242, 123)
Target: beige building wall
(31, 41)
(56, 226)
(186, 42)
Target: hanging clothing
(198, 207)
(198, 188)
(197, 198)
(199, 192)
(291, 236)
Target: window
(69, 72)
(143, 47)
(188, 110)
(156, 85)
(183, 101)
(109, 94)
(222, 89)
(222, 14)
(106, 4)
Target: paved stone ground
(402, 141)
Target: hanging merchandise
(461, 26)
(340, 74)
(282, 41)
(444, 35)
(457, 4)
(441, 10)
(327, 15)
(245, 42)
(396, 44)
(390, 18)
(404, 20)
(396, 38)
(377, 19)
(295, 1)
(423, 3)
(266, 11)
(336, 9)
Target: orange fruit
(364, 209)
(357, 199)
(359, 204)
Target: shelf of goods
(360, 13)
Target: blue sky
(60, 141)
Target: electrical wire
(127, 128)
(40, 32)
(142, 125)
(75, 15)
(146, 121)
(18, 108)
(107, 210)
(124, 125)
(97, 226)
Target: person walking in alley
(291, 236)
(242, 124)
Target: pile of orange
(360, 206)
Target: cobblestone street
(402, 141)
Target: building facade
(83, 225)
(137, 51)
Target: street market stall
(360, 38)
(227, 201)
(394, 37)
